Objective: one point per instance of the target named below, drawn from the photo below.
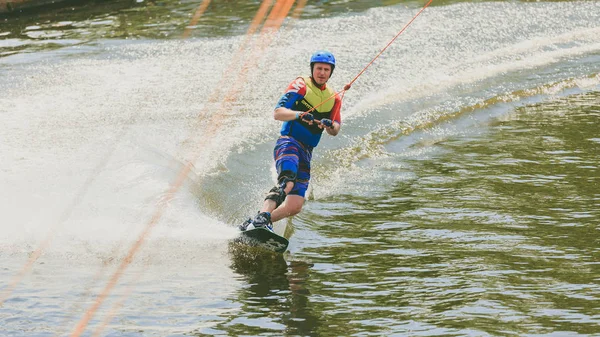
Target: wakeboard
(264, 238)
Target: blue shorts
(291, 155)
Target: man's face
(321, 73)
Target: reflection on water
(275, 298)
(497, 235)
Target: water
(460, 199)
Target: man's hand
(327, 122)
(308, 118)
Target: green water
(126, 19)
(460, 199)
(496, 234)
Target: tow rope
(349, 85)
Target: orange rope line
(389, 44)
(7, 291)
(201, 9)
(347, 86)
(279, 16)
(117, 306)
(256, 21)
(265, 40)
(82, 324)
(262, 12)
(87, 293)
(217, 119)
(272, 18)
(163, 204)
(79, 196)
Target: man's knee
(286, 177)
(278, 193)
(295, 209)
(294, 204)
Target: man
(307, 107)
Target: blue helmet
(322, 56)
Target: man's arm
(334, 130)
(295, 91)
(336, 117)
(284, 114)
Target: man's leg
(270, 205)
(291, 206)
(293, 164)
(276, 201)
(296, 159)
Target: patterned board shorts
(291, 155)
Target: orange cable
(266, 41)
(201, 9)
(163, 204)
(262, 12)
(280, 16)
(389, 44)
(277, 21)
(282, 10)
(118, 305)
(349, 85)
(256, 21)
(82, 324)
(273, 15)
(65, 215)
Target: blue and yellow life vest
(308, 134)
